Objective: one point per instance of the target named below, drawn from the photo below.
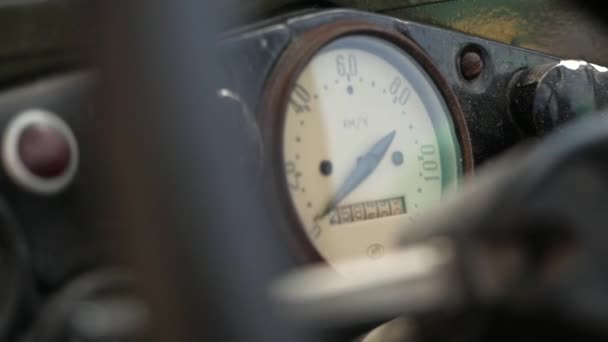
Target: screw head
(375, 251)
(326, 167)
(471, 65)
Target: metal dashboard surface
(250, 56)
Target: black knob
(546, 96)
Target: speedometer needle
(366, 165)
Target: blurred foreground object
(98, 306)
(523, 255)
(170, 179)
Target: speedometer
(369, 138)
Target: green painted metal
(35, 35)
(384, 5)
(557, 27)
(34, 38)
(255, 9)
(32, 26)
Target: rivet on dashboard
(471, 65)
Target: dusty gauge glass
(368, 143)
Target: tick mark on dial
(326, 167)
(420, 174)
(350, 90)
(309, 205)
(419, 190)
(303, 189)
(298, 139)
(302, 123)
(383, 91)
(397, 158)
(411, 126)
(403, 112)
(297, 157)
(325, 87)
(416, 142)
(373, 84)
(315, 96)
(337, 81)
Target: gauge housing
(304, 46)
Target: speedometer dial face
(368, 145)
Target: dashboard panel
(282, 71)
(354, 123)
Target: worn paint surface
(34, 35)
(384, 5)
(34, 38)
(556, 27)
(256, 9)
